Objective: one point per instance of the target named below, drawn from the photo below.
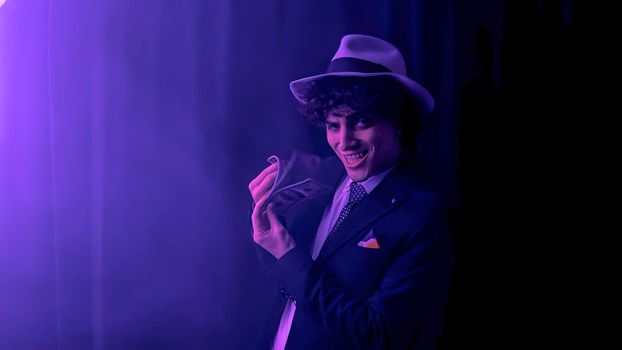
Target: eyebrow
(335, 115)
(348, 116)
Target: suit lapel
(304, 231)
(387, 196)
(330, 172)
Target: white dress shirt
(331, 214)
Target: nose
(347, 141)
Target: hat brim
(424, 99)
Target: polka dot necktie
(357, 193)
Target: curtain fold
(128, 134)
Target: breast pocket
(369, 241)
(359, 264)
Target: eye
(362, 122)
(331, 125)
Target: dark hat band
(350, 64)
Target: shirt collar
(370, 183)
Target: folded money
(293, 183)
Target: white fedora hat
(367, 56)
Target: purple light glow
(129, 131)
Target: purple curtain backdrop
(129, 131)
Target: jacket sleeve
(411, 294)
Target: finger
(267, 171)
(264, 187)
(258, 218)
(259, 208)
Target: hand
(268, 231)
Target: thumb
(275, 223)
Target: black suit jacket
(352, 297)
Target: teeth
(353, 158)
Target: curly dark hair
(380, 94)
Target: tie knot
(357, 192)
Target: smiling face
(366, 144)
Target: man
(366, 266)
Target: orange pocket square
(370, 243)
